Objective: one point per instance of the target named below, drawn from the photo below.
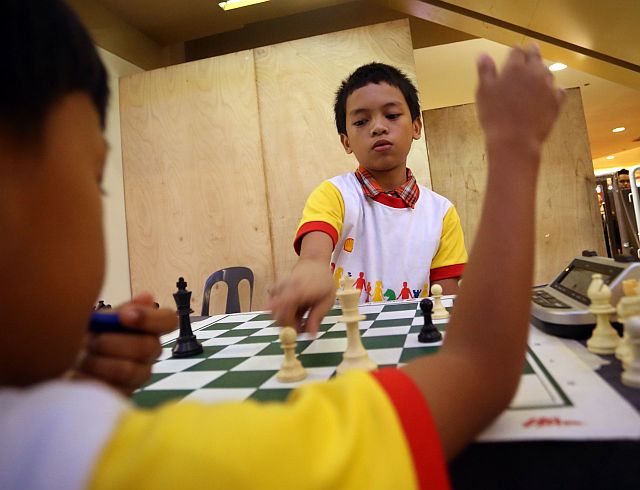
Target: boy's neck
(390, 179)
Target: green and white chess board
(242, 355)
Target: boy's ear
(417, 128)
(344, 139)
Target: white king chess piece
(355, 356)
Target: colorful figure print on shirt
(377, 292)
(337, 277)
(390, 295)
(368, 291)
(405, 292)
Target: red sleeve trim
(391, 201)
(314, 226)
(418, 426)
(446, 272)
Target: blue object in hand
(109, 323)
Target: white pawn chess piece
(355, 355)
(631, 374)
(291, 369)
(604, 338)
(439, 311)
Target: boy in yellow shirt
(377, 226)
(390, 429)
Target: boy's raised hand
(309, 287)
(123, 360)
(520, 104)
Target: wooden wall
(220, 154)
(567, 216)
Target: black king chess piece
(429, 333)
(187, 345)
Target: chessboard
(242, 354)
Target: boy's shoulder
(44, 422)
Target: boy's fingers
(148, 319)
(139, 348)
(486, 69)
(123, 374)
(532, 52)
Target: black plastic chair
(232, 277)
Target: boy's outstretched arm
(475, 374)
(310, 285)
(123, 361)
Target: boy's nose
(379, 128)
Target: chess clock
(561, 308)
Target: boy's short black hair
(374, 73)
(48, 54)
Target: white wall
(117, 285)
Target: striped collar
(407, 192)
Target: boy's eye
(393, 116)
(360, 122)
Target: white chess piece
(631, 374)
(604, 338)
(627, 307)
(355, 355)
(291, 369)
(439, 311)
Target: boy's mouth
(382, 145)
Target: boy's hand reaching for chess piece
(122, 360)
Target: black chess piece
(187, 345)
(102, 306)
(429, 333)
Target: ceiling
(599, 40)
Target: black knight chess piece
(187, 345)
(429, 333)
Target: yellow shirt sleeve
(340, 434)
(451, 250)
(323, 211)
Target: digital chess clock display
(575, 279)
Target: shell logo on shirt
(348, 245)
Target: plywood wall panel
(567, 217)
(296, 86)
(194, 183)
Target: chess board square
(208, 334)
(408, 354)
(342, 327)
(321, 359)
(411, 341)
(241, 350)
(186, 381)
(174, 365)
(374, 332)
(241, 379)
(164, 354)
(398, 307)
(275, 348)
(221, 326)
(388, 341)
(238, 318)
(154, 377)
(255, 340)
(390, 322)
(221, 341)
(327, 344)
(260, 363)
(313, 374)
(239, 331)
(331, 319)
(268, 331)
(252, 325)
(397, 314)
(419, 320)
(223, 364)
(262, 317)
(271, 395)
(218, 395)
(371, 309)
(385, 356)
(153, 398)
